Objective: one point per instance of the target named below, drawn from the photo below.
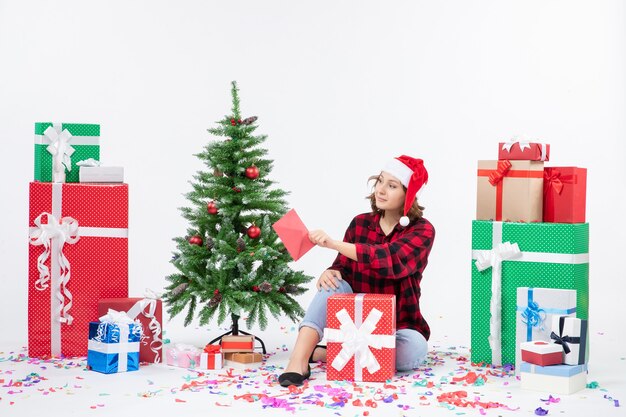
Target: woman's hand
(329, 280)
(320, 238)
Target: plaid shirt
(390, 264)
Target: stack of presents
(530, 268)
(78, 302)
(233, 351)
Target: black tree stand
(234, 330)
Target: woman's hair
(415, 212)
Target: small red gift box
(564, 194)
(541, 353)
(361, 341)
(149, 311)
(239, 343)
(524, 151)
(78, 254)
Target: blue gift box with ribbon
(535, 309)
(113, 347)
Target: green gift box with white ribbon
(506, 256)
(59, 146)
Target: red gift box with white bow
(149, 312)
(361, 341)
(78, 254)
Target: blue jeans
(411, 346)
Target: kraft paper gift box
(525, 151)
(211, 357)
(243, 360)
(239, 343)
(559, 379)
(541, 353)
(510, 191)
(572, 335)
(511, 255)
(361, 341)
(59, 146)
(183, 356)
(113, 346)
(78, 254)
(149, 312)
(535, 309)
(564, 194)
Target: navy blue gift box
(113, 347)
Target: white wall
(339, 87)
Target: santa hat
(412, 174)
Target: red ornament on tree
(233, 122)
(253, 231)
(195, 240)
(255, 288)
(237, 189)
(211, 207)
(252, 172)
(281, 289)
(216, 292)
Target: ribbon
(564, 340)
(212, 349)
(90, 162)
(60, 149)
(356, 338)
(52, 236)
(154, 326)
(532, 316)
(495, 261)
(496, 177)
(502, 169)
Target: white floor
(64, 387)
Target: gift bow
(553, 180)
(356, 341)
(564, 340)
(503, 168)
(522, 145)
(60, 149)
(90, 162)
(116, 317)
(533, 316)
(65, 231)
(211, 349)
(504, 251)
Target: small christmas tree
(231, 262)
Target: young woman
(383, 252)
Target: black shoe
(293, 378)
(311, 357)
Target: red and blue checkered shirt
(389, 264)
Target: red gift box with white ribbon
(78, 254)
(360, 334)
(149, 311)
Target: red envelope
(294, 234)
